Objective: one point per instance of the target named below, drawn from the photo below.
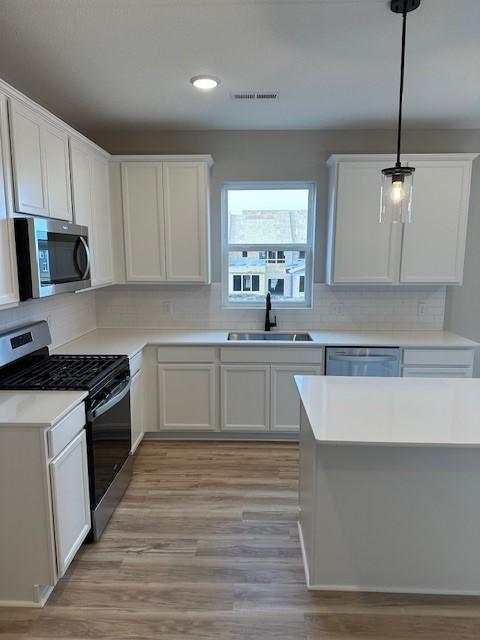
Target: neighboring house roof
(268, 227)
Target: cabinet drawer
(440, 357)
(437, 372)
(267, 355)
(136, 363)
(64, 432)
(187, 354)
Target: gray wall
(284, 155)
(462, 307)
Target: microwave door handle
(83, 242)
(121, 390)
(75, 257)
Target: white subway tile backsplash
(69, 315)
(363, 308)
(189, 307)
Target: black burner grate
(62, 372)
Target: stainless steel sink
(274, 336)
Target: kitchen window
(267, 231)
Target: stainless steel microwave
(52, 257)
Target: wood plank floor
(204, 546)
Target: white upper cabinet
(433, 248)
(362, 249)
(166, 221)
(55, 142)
(430, 250)
(40, 164)
(144, 221)
(91, 206)
(102, 222)
(8, 268)
(185, 188)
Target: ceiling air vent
(255, 95)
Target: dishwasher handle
(362, 359)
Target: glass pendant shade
(396, 195)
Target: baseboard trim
(376, 588)
(221, 436)
(43, 595)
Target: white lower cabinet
(70, 498)
(245, 397)
(285, 401)
(437, 372)
(136, 400)
(438, 363)
(254, 389)
(47, 518)
(187, 397)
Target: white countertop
(37, 408)
(131, 341)
(392, 411)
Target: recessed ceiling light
(205, 82)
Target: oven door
(59, 256)
(109, 439)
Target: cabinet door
(187, 397)
(136, 404)
(437, 372)
(28, 160)
(102, 222)
(186, 221)
(81, 184)
(433, 248)
(71, 502)
(245, 397)
(57, 168)
(8, 267)
(285, 411)
(143, 217)
(363, 251)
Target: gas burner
(62, 372)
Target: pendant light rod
(402, 74)
(403, 7)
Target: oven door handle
(120, 393)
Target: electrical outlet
(421, 307)
(166, 308)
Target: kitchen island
(390, 484)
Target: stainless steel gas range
(26, 364)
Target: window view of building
(268, 243)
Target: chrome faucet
(268, 324)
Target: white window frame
(308, 247)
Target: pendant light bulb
(397, 192)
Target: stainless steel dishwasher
(363, 361)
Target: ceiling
(111, 64)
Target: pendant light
(397, 181)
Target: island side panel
(306, 490)
(396, 518)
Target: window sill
(261, 307)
